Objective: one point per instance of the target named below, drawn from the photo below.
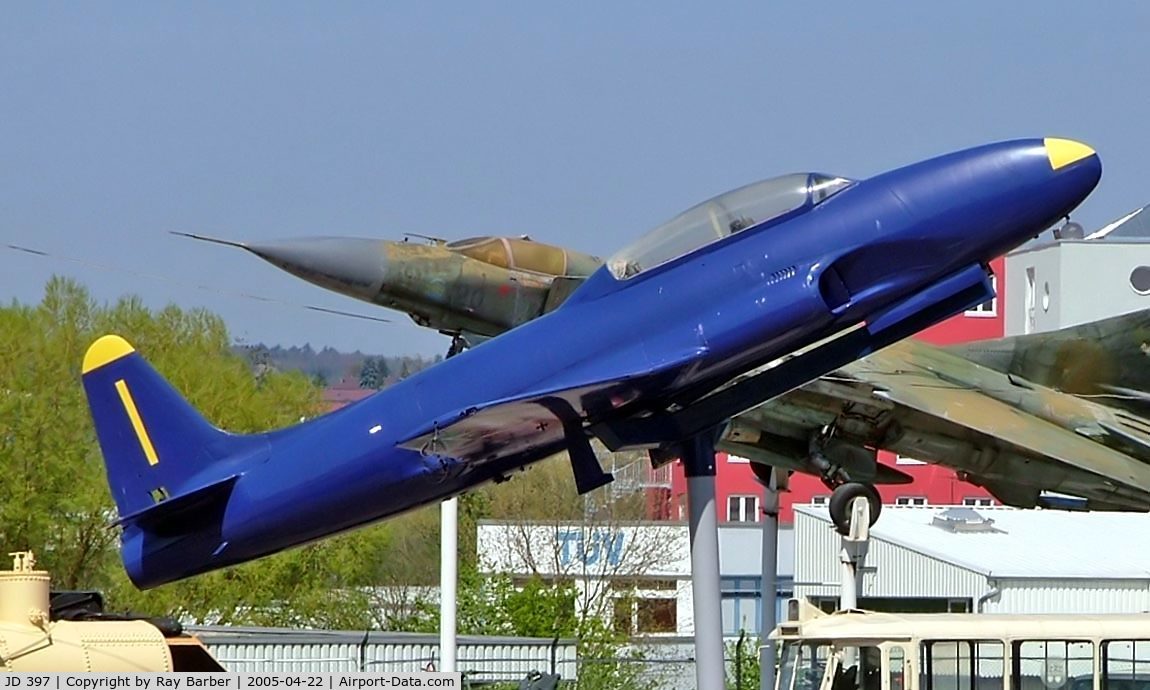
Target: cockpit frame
(752, 206)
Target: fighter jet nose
(353, 266)
(1072, 171)
(1064, 152)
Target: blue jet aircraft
(729, 304)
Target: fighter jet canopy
(723, 216)
(526, 255)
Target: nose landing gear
(845, 494)
(836, 478)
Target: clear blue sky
(582, 124)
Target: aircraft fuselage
(620, 347)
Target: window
(643, 615)
(742, 509)
(1126, 665)
(958, 606)
(962, 665)
(723, 216)
(1030, 325)
(910, 501)
(820, 500)
(623, 615)
(803, 665)
(989, 307)
(983, 501)
(896, 665)
(1053, 664)
(741, 605)
(1140, 280)
(656, 615)
(857, 668)
(907, 460)
(630, 584)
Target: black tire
(844, 495)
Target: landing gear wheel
(844, 495)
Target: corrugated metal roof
(1025, 543)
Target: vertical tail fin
(157, 448)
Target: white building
(994, 560)
(637, 576)
(1070, 282)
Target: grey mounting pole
(770, 586)
(698, 456)
(853, 554)
(448, 582)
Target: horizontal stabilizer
(185, 512)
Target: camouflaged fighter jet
(1053, 420)
(470, 289)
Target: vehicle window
(857, 668)
(722, 216)
(896, 662)
(802, 665)
(1126, 665)
(962, 665)
(1053, 665)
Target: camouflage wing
(780, 433)
(1055, 458)
(1108, 360)
(928, 403)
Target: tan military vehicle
(32, 641)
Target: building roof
(1132, 226)
(1021, 543)
(338, 396)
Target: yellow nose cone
(1063, 152)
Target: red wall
(937, 484)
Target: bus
(863, 650)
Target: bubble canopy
(723, 216)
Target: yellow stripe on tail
(137, 423)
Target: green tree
(54, 499)
(743, 663)
(373, 373)
(496, 604)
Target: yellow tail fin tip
(106, 349)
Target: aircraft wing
(976, 411)
(933, 405)
(504, 427)
(537, 419)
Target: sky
(581, 124)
